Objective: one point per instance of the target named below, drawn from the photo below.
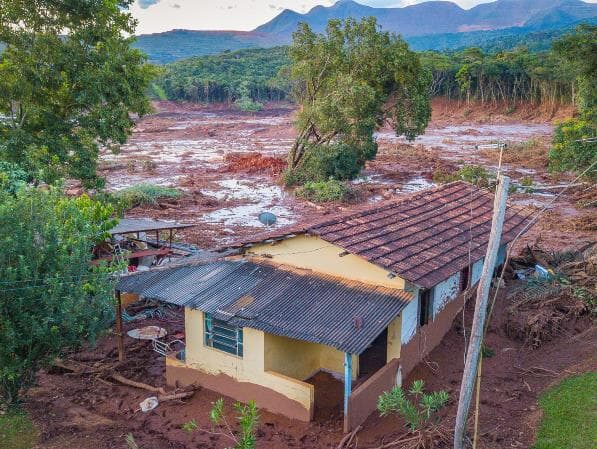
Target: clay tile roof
(424, 237)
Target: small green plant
(324, 191)
(130, 441)
(144, 194)
(416, 411)
(475, 174)
(246, 104)
(248, 418)
(487, 352)
(190, 426)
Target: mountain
(428, 25)
(170, 46)
(435, 17)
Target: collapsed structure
(365, 295)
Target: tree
(69, 82)
(51, 298)
(575, 145)
(349, 82)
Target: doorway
(375, 356)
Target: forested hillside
(514, 75)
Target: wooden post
(347, 380)
(119, 331)
(474, 347)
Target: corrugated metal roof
(129, 225)
(311, 307)
(424, 237)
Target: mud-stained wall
(313, 253)
(445, 292)
(178, 374)
(476, 271)
(429, 336)
(394, 339)
(410, 319)
(249, 369)
(300, 359)
(363, 400)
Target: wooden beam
(119, 330)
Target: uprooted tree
(51, 298)
(69, 84)
(349, 82)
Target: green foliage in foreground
(51, 298)
(248, 418)
(416, 411)
(324, 191)
(570, 151)
(142, 195)
(69, 83)
(17, 431)
(569, 414)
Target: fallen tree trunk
(133, 383)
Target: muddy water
(187, 149)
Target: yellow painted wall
(313, 253)
(300, 359)
(394, 338)
(250, 368)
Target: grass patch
(569, 414)
(145, 194)
(17, 431)
(324, 191)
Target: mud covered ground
(83, 412)
(228, 163)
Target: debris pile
(557, 290)
(253, 162)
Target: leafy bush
(12, 177)
(144, 194)
(418, 411)
(51, 298)
(321, 162)
(324, 191)
(245, 104)
(569, 152)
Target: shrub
(12, 177)
(246, 104)
(324, 191)
(321, 162)
(475, 174)
(569, 151)
(248, 418)
(418, 411)
(144, 194)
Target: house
(363, 295)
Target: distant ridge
(428, 25)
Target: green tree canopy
(349, 82)
(50, 296)
(69, 81)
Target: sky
(164, 15)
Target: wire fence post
(476, 335)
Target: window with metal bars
(220, 335)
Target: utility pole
(476, 338)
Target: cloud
(144, 4)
